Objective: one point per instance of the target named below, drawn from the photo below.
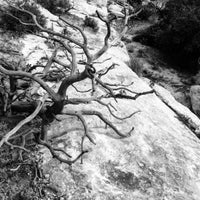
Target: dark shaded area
(177, 33)
(134, 2)
(9, 23)
(92, 23)
(21, 177)
(55, 7)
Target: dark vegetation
(10, 20)
(146, 12)
(20, 175)
(177, 33)
(134, 3)
(92, 23)
(57, 6)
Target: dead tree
(53, 102)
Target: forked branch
(35, 78)
(80, 113)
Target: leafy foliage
(9, 23)
(178, 33)
(55, 6)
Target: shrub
(55, 6)
(92, 23)
(134, 2)
(147, 11)
(12, 24)
(178, 33)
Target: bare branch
(125, 89)
(119, 84)
(57, 156)
(23, 122)
(67, 67)
(48, 30)
(106, 45)
(53, 95)
(110, 111)
(105, 71)
(85, 42)
(20, 21)
(75, 27)
(12, 146)
(106, 121)
(80, 90)
(105, 86)
(62, 151)
(100, 62)
(124, 96)
(50, 61)
(79, 115)
(126, 20)
(72, 79)
(68, 75)
(68, 48)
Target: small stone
(47, 176)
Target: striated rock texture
(160, 160)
